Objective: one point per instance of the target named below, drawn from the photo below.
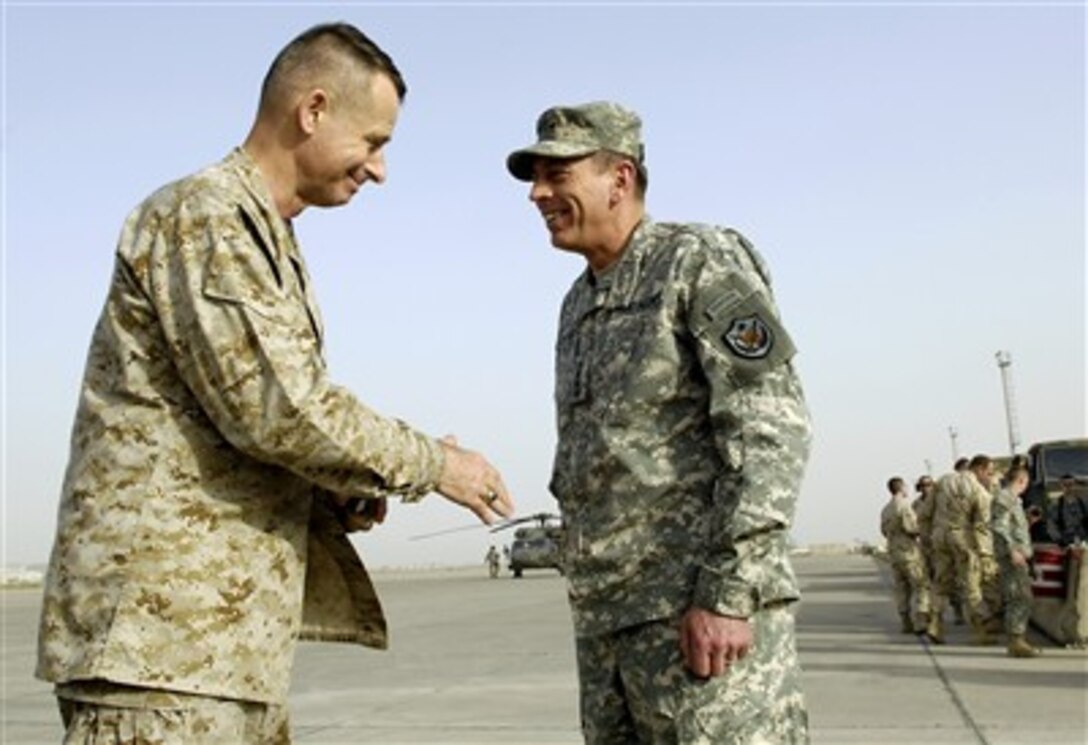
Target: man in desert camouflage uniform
(923, 507)
(683, 435)
(899, 526)
(214, 467)
(961, 524)
(1012, 547)
(988, 567)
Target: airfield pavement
(475, 660)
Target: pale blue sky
(914, 174)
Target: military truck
(1060, 576)
(1048, 462)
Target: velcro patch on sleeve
(741, 324)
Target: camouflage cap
(573, 131)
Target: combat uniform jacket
(899, 526)
(683, 432)
(962, 508)
(196, 514)
(983, 536)
(1010, 526)
(924, 508)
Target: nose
(375, 168)
(538, 191)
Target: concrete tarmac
(475, 660)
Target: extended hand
(470, 481)
(1018, 559)
(711, 643)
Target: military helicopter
(534, 546)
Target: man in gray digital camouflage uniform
(1012, 547)
(215, 469)
(683, 435)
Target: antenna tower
(1004, 362)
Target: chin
(558, 240)
(338, 200)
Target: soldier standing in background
(960, 517)
(215, 468)
(683, 436)
(492, 560)
(900, 528)
(923, 506)
(989, 570)
(1012, 546)
(1069, 515)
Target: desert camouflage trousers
(958, 575)
(1016, 589)
(101, 713)
(911, 591)
(635, 689)
(990, 583)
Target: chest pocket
(604, 358)
(628, 338)
(571, 382)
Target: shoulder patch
(749, 337)
(741, 324)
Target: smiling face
(344, 142)
(574, 198)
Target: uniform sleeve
(925, 514)
(762, 432)
(907, 519)
(246, 348)
(1019, 532)
(1001, 522)
(980, 519)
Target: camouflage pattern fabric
(900, 527)
(635, 688)
(923, 510)
(185, 721)
(206, 448)
(989, 570)
(1016, 589)
(574, 131)
(961, 516)
(1009, 525)
(1011, 533)
(101, 714)
(683, 433)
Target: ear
(312, 108)
(623, 182)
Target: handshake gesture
(470, 481)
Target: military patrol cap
(574, 131)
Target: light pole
(1004, 363)
(953, 433)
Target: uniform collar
(615, 284)
(255, 185)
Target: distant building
(19, 577)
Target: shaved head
(336, 57)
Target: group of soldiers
(964, 542)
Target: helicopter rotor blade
(508, 524)
(447, 531)
(541, 517)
